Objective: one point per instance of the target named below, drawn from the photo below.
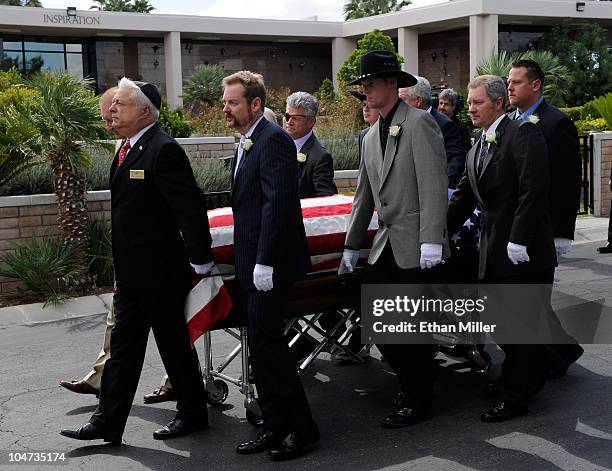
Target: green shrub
(173, 122)
(593, 125)
(590, 111)
(574, 113)
(326, 91)
(210, 121)
(204, 85)
(342, 143)
(100, 252)
(47, 267)
(603, 105)
(211, 174)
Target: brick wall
(208, 147)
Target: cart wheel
(254, 419)
(219, 392)
(481, 362)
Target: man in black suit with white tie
(159, 226)
(270, 254)
(525, 93)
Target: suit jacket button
(388, 226)
(385, 204)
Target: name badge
(137, 174)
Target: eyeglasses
(288, 116)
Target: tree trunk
(72, 218)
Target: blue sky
(324, 10)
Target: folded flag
(207, 303)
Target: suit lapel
(392, 143)
(135, 152)
(471, 169)
(493, 148)
(255, 134)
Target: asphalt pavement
(569, 426)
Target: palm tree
(135, 6)
(556, 76)
(63, 119)
(32, 3)
(354, 9)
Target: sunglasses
(288, 116)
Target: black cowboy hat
(377, 64)
(359, 96)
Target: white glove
(203, 269)
(262, 277)
(517, 253)
(349, 261)
(562, 246)
(431, 255)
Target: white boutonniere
(395, 131)
(491, 137)
(247, 144)
(533, 118)
(301, 157)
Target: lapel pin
(139, 147)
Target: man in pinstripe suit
(270, 254)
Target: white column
(408, 46)
(483, 39)
(174, 73)
(341, 49)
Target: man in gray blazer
(402, 175)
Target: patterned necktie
(123, 152)
(482, 153)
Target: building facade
(443, 42)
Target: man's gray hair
(449, 95)
(422, 89)
(494, 87)
(305, 101)
(140, 98)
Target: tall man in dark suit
(507, 174)
(419, 96)
(402, 175)
(316, 166)
(159, 226)
(270, 254)
(525, 85)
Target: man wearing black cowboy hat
(159, 226)
(402, 175)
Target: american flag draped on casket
(325, 221)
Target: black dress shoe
(504, 410)
(178, 427)
(292, 447)
(605, 249)
(405, 414)
(265, 441)
(569, 354)
(90, 431)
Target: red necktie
(123, 151)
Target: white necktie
(239, 154)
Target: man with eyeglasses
(315, 163)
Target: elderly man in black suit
(507, 174)
(419, 96)
(270, 254)
(315, 163)
(525, 85)
(159, 226)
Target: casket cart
(325, 222)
